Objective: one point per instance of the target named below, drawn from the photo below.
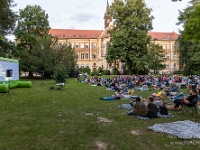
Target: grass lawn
(38, 118)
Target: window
(76, 56)
(82, 65)
(86, 56)
(82, 45)
(94, 45)
(174, 56)
(86, 45)
(117, 64)
(72, 45)
(87, 66)
(108, 65)
(77, 45)
(93, 56)
(94, 64)
(82, 55)
(164, 47)
(174, 65)
(77, 65)
(168, 46)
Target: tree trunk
(30, 74)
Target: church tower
(107, 17)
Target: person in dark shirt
(152, 108)
(188, 100)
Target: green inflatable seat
(3, 88)
(24, 84)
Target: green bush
(84, 70)
(116, 71)
(126, 72)
(100, 70)
(177, 72)
(106, 72)
(94, 73)
(60, 74)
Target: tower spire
(107, 17)
(107, 7)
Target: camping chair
(61, 84)
(143, 88)
(191, 107)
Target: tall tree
(190, 20)
(32, 25)
(189, 52)
(7, 24)
(156, 57)
(129, 39)
(48, 54)
(189, 39)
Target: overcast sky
(88, 14)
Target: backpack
(163, 110)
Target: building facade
(91, 46)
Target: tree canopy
(129, 39)
(48, 54)
(7, 17)
(190, 20)
(7, 24)
(155, 57)
(189, 39)
(33, 25)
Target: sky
(88, 14)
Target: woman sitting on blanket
(152, 108)
(139, 108)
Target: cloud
(83, 17)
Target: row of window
(167, 46)
(85, 56)
(174, 66)
(80, 45)
(87, 66)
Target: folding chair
(143, 88)
(190, 107)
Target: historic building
(91, 46)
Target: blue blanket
(159, 115)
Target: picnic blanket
(159, 115)
(182, 129)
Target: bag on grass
(163, 110)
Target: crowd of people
(124, 84)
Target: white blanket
(182, 129)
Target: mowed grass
(38, 118)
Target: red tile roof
(93, 34)
(75, 34)
(163, 35)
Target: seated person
(188, 99)
(158, 101)
(131, 92)
(139, 108)
(174, 89)
(152, 108)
